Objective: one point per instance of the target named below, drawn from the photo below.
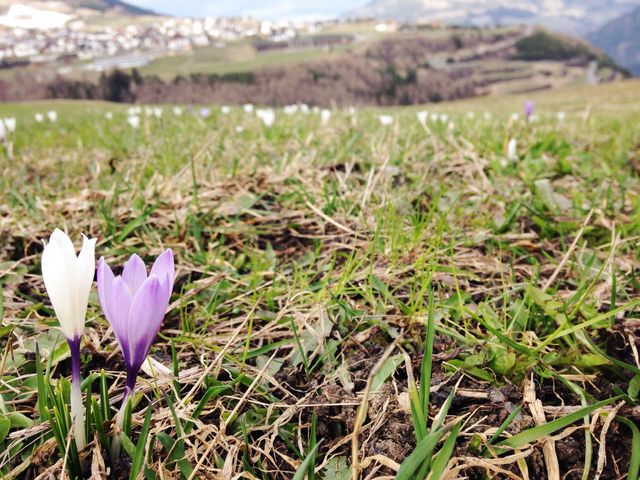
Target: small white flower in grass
(434, 117)
(157, 112)
(471, 115)
(325, 115)
(10, 123)
(443, 117)
(52, 115)
(561, 116)
(451, 126)
(315, 109)
(352, 111)
(108, 116)
(290, 109)
(39, 117)
(268, 116)
(533, 118)
(512, 153)
(134, 111)
(304, 108)
(487, 115)
(134, 121)
(205, 112)
(3, 131)
(248, 108)
(239, 129)
(423, 115)
(225, 109)
(515, 117)
(385, 120)
(148, 111)
(177, 111)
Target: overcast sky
(275, 9)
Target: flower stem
(117, 441)
(77, 407)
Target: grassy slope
(337, 232)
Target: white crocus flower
(157, 112)
(10, 123)
(561, 116)
(512, 154)
(248, 108)
(177, 111)
(52, 115)
(268, 116)
(134, 121)
(385, 120)
(325, 115)
(3, 131)
(225, 109)
(422, 117)
(39, 117)
(68, 279)
(108, 116)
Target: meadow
(351, 300)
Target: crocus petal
(164, 268)
(85, 267)
(119, 305)
(145, 317)
(134, 273)
(105, 287)
(56, 272)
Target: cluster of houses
(42, 36)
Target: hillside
(620, 39)
(409, 67)
(570, 16)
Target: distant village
(32, 35)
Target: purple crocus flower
(528, 109)
(134, 304)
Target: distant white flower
(352, 111)
(385, 120)
(304, 108)
(248, 108)
(471, 115)
(157, 112)
(225, 110)
(10, 123)
(239, 129)
(325, 115)
(134, 111)
(533, 118)
(315, 109)
(290, 109)
(3, 131)
(205, 112)
(134, 121)
(268, 116)
(422, 115)
(177, 111)
(487, 115)
(434, 117)
(451, 126)
(52, 115)
(561, 116)
(148, 111)
(109, 116)
(512, 153)
(39, 117)
(515, 117)
(444, 117)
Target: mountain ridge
(620, 39)
(73, 6)
(577, 17)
